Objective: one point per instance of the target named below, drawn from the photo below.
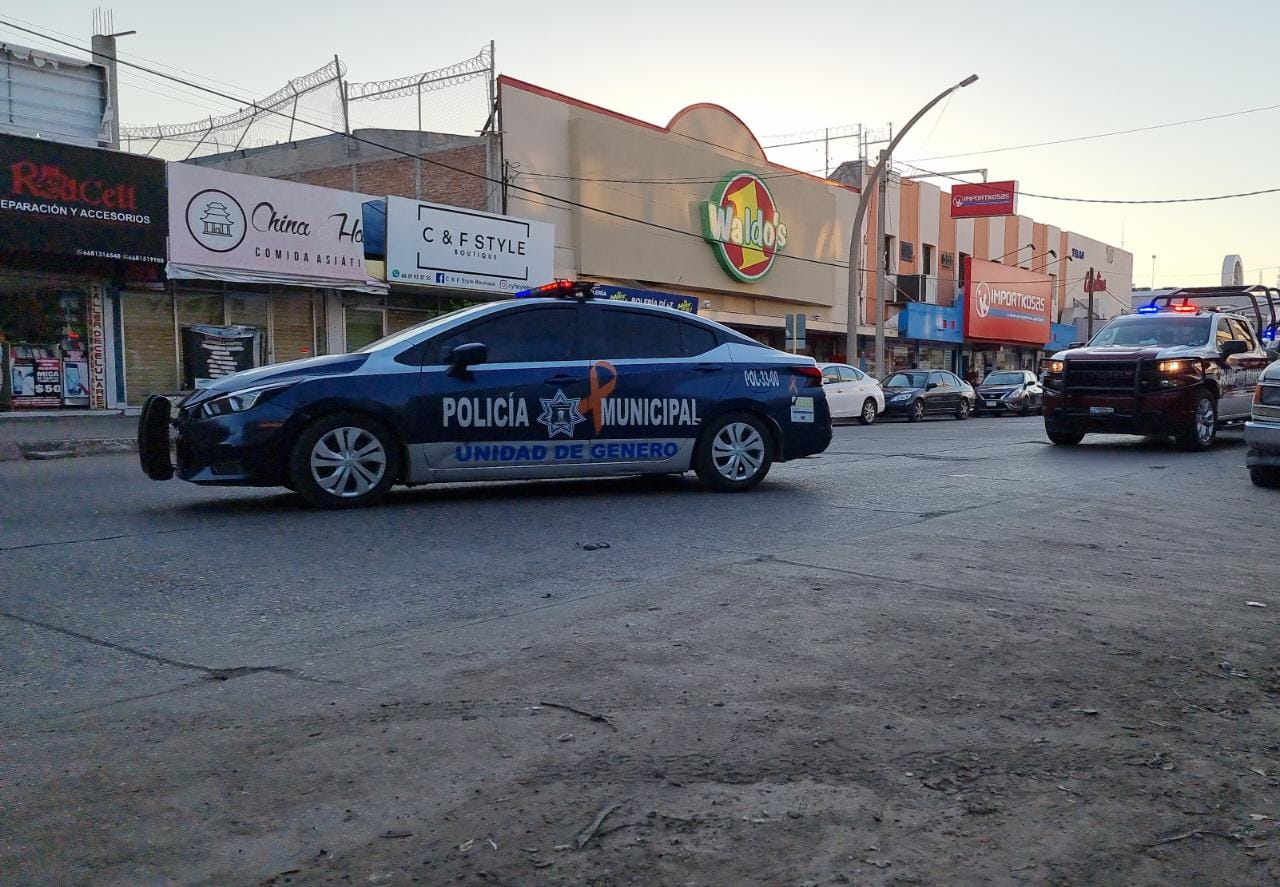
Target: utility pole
(1089, 287)
(1153, 270)
(855, 235)
(882, 265)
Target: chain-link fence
(456, 99)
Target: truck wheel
(1198, 434)
(1065, 438)
(734, 454)
(1265, 476)
(343, 461)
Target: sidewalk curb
(65, 449)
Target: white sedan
(851, 393)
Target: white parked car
(851, 393)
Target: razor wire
(454, 99)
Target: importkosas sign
(85, 202)
(429, 244)
(1007, 304)
(228, 226)
(984, 199)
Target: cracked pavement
(936, 649)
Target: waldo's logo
(744, 227)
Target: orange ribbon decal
(599, 391)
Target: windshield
(1167, 331)
(906, 380)
(1004, 379)
(410, 332)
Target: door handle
(708, 368)
(562, 379)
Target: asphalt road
(934, 649)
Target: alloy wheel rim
(348, 462)
(1204, 420)
(738, 451)
(868, 411)
(918, 409)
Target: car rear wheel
(917, 412)
(1065, 438)
(962, 411)
(869, 412)
(344, 461)
(734, 453)
(1265, 476)
(1198, 434)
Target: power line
(1103, 135)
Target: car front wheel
(1200, 430)
(734, 453)
(917, 412)
(869, 412)
(344, 461)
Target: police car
(552, 384)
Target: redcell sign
(1007, 304)
(984, 199)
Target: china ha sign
(1007, 304)
(984, 199)
(237, 227)
(744, 227)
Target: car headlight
(1054, 366)
(1015, 394)
(239, 401)
(899, 398)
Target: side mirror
(463, 356)
(1234, 346)
(1076, 345)
(931, 386)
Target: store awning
(177, 271)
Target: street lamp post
(855, 239)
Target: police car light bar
(1149, 309)
(558, 289)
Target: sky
(1047, 72)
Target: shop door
(363, 326)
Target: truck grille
(1101, 375)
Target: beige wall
(667, 173)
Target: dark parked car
(1010, 391)
(915, 394)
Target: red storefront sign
(1007, 304)
(984, 199)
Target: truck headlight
(1172, 366)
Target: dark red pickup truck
(1178, 367)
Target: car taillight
(811, 374)
(1257, 394)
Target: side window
(638, 335)
(696, 339)
(1244, 332)
(858, 375)
(831, 374)
(938, 378)
(951, 380)
(1225, 333)
(848, 374)
(537, 335)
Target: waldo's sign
(743, 226)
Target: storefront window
(43, 345)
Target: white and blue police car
(551, 384)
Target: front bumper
(899, 409)
(1160, 412)
(997, 404)
(239, 449)
(1263, 440)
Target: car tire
(869, 411)
(962, 411)
(344, 460)
(1265, 476)
(1065, 438)
(734, 453)
(916, 414)
(1199, 433)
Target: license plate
(1101, 411)
(991, 403)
